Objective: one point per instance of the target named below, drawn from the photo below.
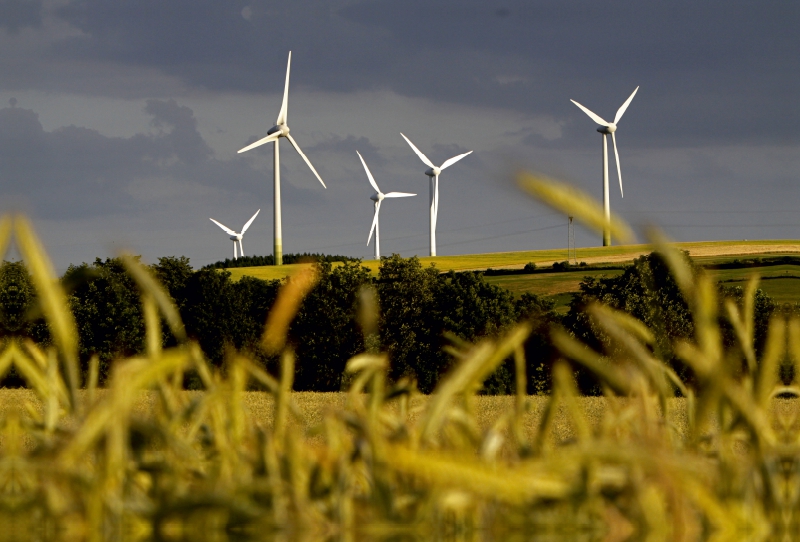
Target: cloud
(16, 15)
(74, 171)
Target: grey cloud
(347, 146)
(18, 14)
(696, 62)
(181, 136)
(75, 171)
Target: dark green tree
(20, 314)
(210, 312)
(19, 303)
(763, 308)
(108, 313)
(539, 351)
(254, 299)
(409, 329)
(420, 307)
(472, 309)
(646, 290)
(325, 332)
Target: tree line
(254, 261)
(422, 311)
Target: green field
(497, 260)
(465, 262)
(782, 283)
(558, 287)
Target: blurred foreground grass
(145, 460)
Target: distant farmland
(781, 282)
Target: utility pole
(572, 256)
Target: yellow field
(488, 410)
(313, 406)
(594, 255)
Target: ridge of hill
(544, 258)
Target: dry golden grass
(315, 407)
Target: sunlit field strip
(615, 254)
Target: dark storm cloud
(74, 171)
(705, 67)
(18, 14)
(345, 146)
(178, 131)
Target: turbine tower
(378, 197)
(433, 172)
(605, 129)
(236, 236)
(281, 129)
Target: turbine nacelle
(237, 237)
(282, 128)
(433, 172)
(377, 197)
(609, 129)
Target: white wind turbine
(236, 236)
(281, 129)
(378, 197)
(605, 129)
(433, 173)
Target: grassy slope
(544, 257)
(780, 282)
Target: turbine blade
(270, 137)
(241, 249)
(369, 175)
(244, 228)
(623, 107)
(284, 114)
(374, 221)
(416, 150)
(619, 171)
(224, 227)
(297, 148)
(594, 117)
(398, 195)
(449, 162)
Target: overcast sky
(120, 121)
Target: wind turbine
(378, 197)
(236, 236)
(605, 129)
(433, 173)
(281, 129)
